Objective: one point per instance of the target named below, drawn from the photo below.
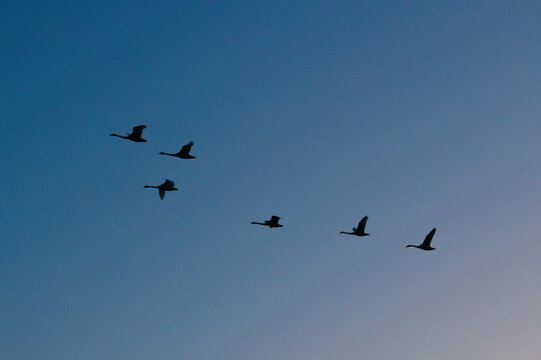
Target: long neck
(345, 232)
(258, 223)
(164, 153)
(150, 186)
(412, 246)
(120, 136)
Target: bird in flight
(184, 152)
(168, 185)
(426, 244)
(359, 230)
(135, 134)
(272, 223)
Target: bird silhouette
(184, 152)
(359, 230)
(168, 185)
(272, 223)
(426, 244)
(135, 134)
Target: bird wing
(429, 237)
(185, 150)
(162, 193)
(138, 130)
(274, 220)
(362, 224)
(169, 183)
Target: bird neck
(120, 136)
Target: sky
(419, 114)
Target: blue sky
(418, 114)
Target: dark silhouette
(184, 152)
(272, 223)
(135, 134)
(359, 230)
(168, 185)
(426, 244)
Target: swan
(272, 223)
(168, 185)
(359, 230)
(184, 152)
(426, 244)
(135, 134)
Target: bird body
(135, 134)
(359, 230)
(272, 223)
(426, 243)
(168, 185)
(184, 152)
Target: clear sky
(416, 113)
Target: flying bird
(184, 152)
(359, 230)
(168, 185)
(135, 134)
(272, 223)
(426, 244)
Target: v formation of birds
(184, 153)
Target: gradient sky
(416, 113)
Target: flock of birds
(184, 153)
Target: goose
(272, 223)
(426, 244)
(359, 230)
(168, 185)
(184, 152)
(135, 134)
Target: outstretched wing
(162, 193)
(362, 224)
(429, 237)
(169, 183)
(274, 220)
(185, 150)
(138, 130)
